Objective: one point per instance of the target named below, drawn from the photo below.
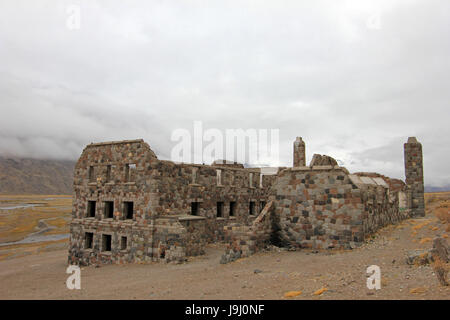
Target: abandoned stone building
(129, 206)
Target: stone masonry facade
(131, 207)
(414, 176)
(299, 152)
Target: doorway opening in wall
(276, 237)
(91, 209)
(88, 240)
(106, 242)
(108, 210)
(123, 243)
(219, 209)
(232, 208)
(194, 208)
(128, 209)
(251, 208)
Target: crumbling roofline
(215, 166)
(114, 142)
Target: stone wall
(381, 208)
(322, 160)
(246, 240)
(131, 207)
(137, 248)
(196, 235)
(113, 173)
(384, 199)
(318, 207)
(179, 185)
(414, 176)
(299, 153)
(321, 207)
(162, 225)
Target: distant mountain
(32, 176)
(437, 189)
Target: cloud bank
(353, 78)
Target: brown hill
(33, 176)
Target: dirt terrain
(266, 275)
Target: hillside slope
(32, 176)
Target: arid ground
(37, 270)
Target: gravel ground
(265, 275)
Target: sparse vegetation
(320, 291)
(441, 269)
(418, 290)
(291, 294)
(425, 240)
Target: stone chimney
(414, 177)
(299, 153)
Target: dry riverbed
(30, 224)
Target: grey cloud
(310, 69)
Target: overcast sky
(353, 78)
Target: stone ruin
(131, 207)
(322, 160)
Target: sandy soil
(42, 276)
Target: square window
(108, 173)
(88, 240)
(194, 175)
(108, 209)
(128, 209)
(232, 208)
(91, 174)
(91, 209)
(194, 208)
(106, 242)
(251, 208)
(130, 172)
(219, 177)
(123, 243)
(219, 209)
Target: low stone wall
(169, 240)
(196, 236)
(381, 208)
(246, 240)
